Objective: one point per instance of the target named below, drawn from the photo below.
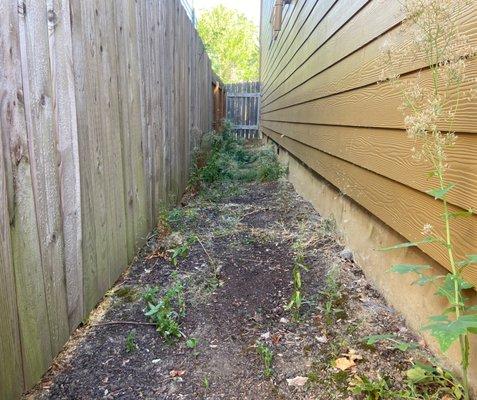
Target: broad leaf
(469, 260)
(440, 193)
(447, 289)
(426, 240)
(407, 268)
(447, 332)
(424, 279)
(373, 339)
(416, 374)
(458, 214)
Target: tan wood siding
(322, 101)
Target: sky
(251, 8)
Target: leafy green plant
(130, 343)
(372, 389)
(205, 383)
(333, 296)
(393, 342)
(192, 343)
(181, 251)
(167, 310)
(422, 382)
(266, 355)
(430, 113)
(296, 299)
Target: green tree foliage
(231, 41)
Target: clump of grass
(333, 296)
(296, 301)
(167, 310)
(266, 355)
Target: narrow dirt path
(238, 280)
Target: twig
(123, 323)
(249, 213)
(131, 323)
(212, 261)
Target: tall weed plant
(430, 104)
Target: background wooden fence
(101, 104)
(243, 101)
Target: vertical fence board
(66, 136)
(39, 107)
(11, 115)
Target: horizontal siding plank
(307, 21)
(392, 157)
(276, 50)
(375, 106)
(403, 208)
(363, 67)
(363, 28)
(328, 20)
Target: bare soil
(249, 236)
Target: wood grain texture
(377, 106)
(324, 77)
(11, 119)
(66, 136)
(40, 122)
(393, 158)
(101, 104)
(397, 205)
(328, 19)
(279, 52)
(364, 27)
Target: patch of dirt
(250, 239)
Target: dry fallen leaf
(353, 356)
(344, 363)
(276, 337)
(298, 381)
(176, 372)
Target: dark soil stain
(250, 240)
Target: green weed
(131, 342)
(422, 382)
(333, 296)
(192, 343)
(266, 355)
(205, 383)
(296, 300)
(167, 310)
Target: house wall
(322, 104)
(101, 105)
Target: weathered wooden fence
(243, 101)
(101, 104)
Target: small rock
(346, 254)
(265, 335)
(298, 381)
(321, 339)
(283, 320)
